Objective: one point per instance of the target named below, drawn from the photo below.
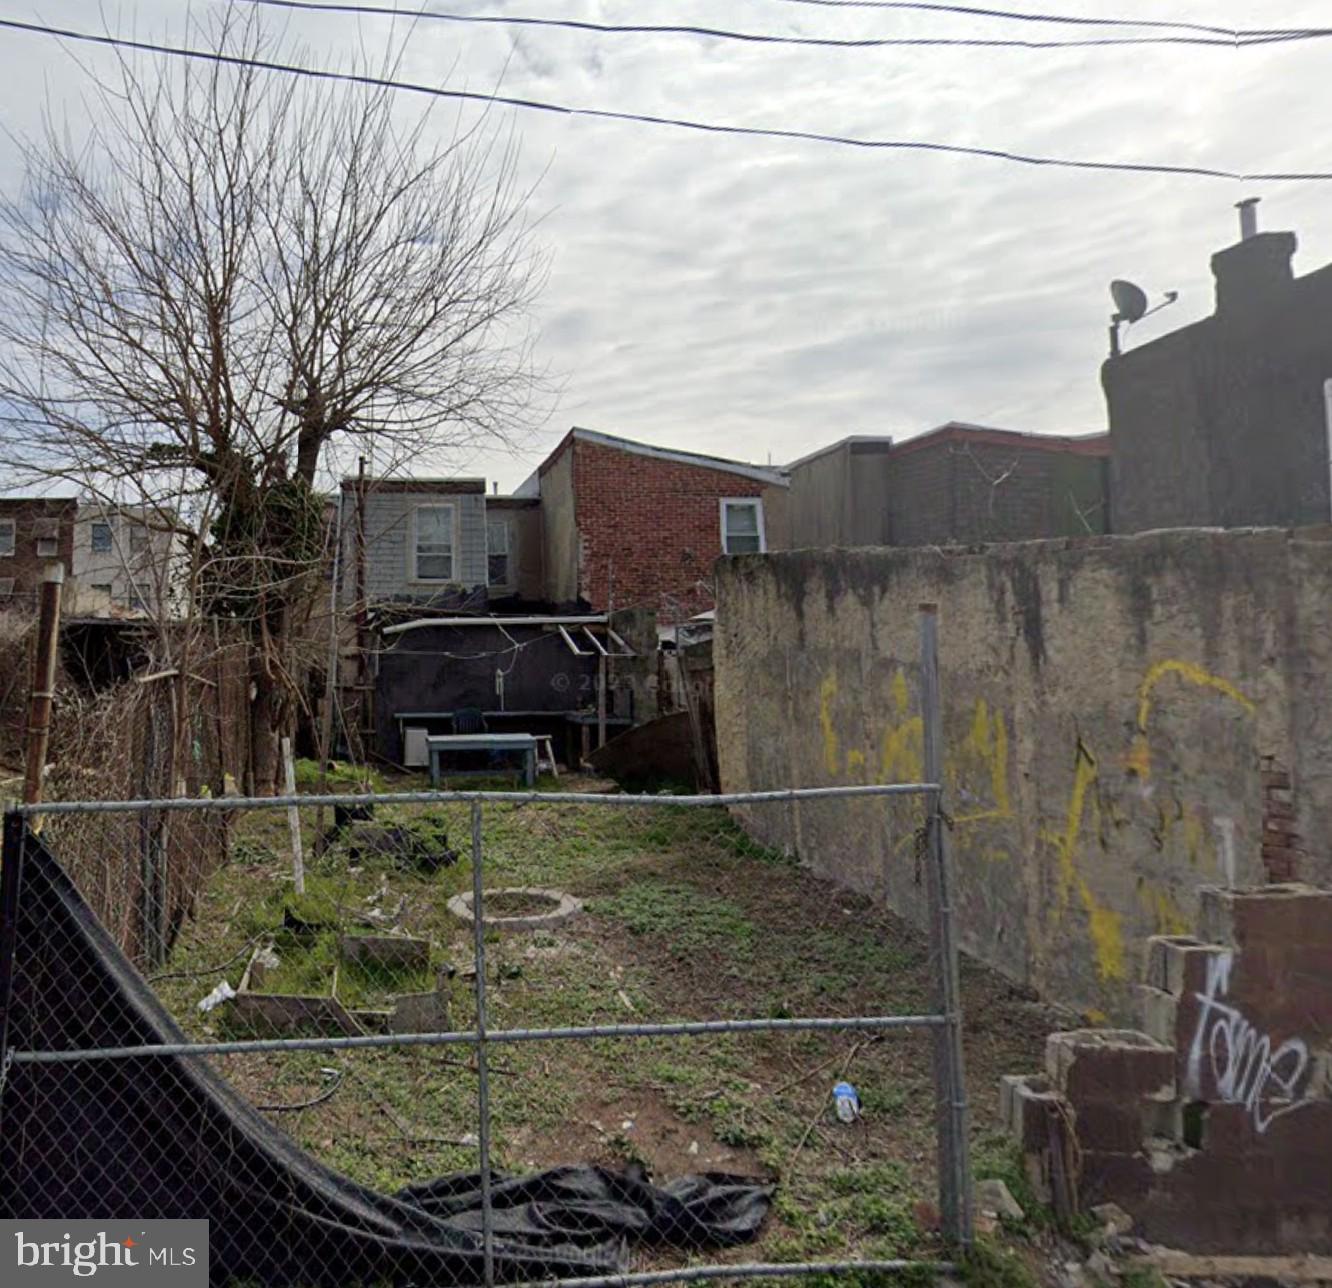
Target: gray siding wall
(388, 537)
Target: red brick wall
(1283, 851)
(649, 529)
(34, 518)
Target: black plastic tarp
(161, 1137)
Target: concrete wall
(1224, 423)
(1108, 703)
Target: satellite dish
(1130, 301)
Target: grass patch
(683, 915)
(687, 919)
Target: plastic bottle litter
(222, 993)
(847, 1102)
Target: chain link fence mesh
(352, 1079)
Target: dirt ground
(685, 918)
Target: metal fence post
(482, 1069)
(11, 880)
(955, 1199)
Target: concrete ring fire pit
(519, 908)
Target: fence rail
(86, 1047)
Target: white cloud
(760, 297)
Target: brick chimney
(1255, 272)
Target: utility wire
(1009, 15)
(1219, 38)
(679, 123)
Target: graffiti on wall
(1245, 1065)
(976, 769)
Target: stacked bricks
(1213, 1126)
(1282, 850)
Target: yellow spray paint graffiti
(977, 772)
(1105, 925)
(832, 759)
(983, 755)
(1139, 759)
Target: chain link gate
(121, 1094)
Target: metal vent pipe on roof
(1248, 209)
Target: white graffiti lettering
(1246, 1068)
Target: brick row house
(522, 607)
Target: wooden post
(43, 682)
(294, 819)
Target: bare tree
(234, 276)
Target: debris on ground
(222, 993)
(994, 1196)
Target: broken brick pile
(1212, 1126)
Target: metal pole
(482, 1070)
(949, 1073)
(43, 682)
(11, 880)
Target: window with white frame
(742, 526)
(7, 529)
(47, 547)
(101, 538)
(497, 552)
(138, 538)
(432, 550)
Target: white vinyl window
(6, 537)
(47, 547)
(101, 538)
(432, 551)
(497, 552)
(742, 526)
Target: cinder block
(1176, 964)
(1158, 1012)
(1277, 915)
(1110, 1129)
(1125, 1179)
(1109, 1065)
(1024, 1106)
(1216, 916)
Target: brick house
(34, 531)
(626, 524)
(958, 484)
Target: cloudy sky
(759, 298)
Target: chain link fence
(621, 1070)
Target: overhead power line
(1219, 37)
(679, 123)
(1010, 15)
